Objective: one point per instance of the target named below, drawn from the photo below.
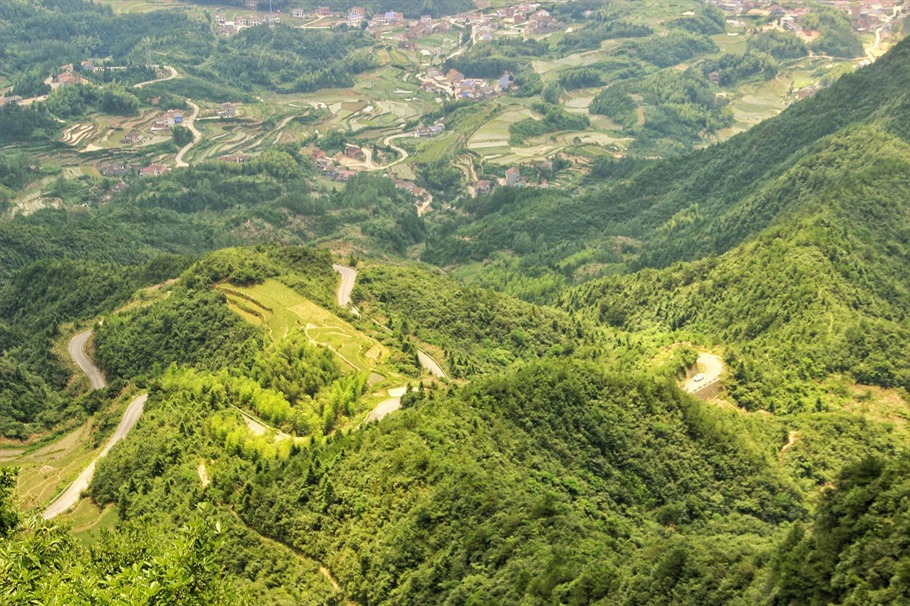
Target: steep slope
(553, 483)
(559, 474)
(823, 290)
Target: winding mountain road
(70, 496)
(196, 136)
(348, 277)
(400, 150)
(427, 361)
(382, 409)
(710, 366)
(77, 353)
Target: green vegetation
(287, 59)
(75, 101)
(855, 549)
(836, 36)
(675, 47)
(708, 23)
(25, 124)
(779, 44)
(592, 36)
(679, 106)
(480, 331)
(40, 561)
(731, 69)
(566, 452)
(34, 307)
(554, 119)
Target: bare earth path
(70, 496)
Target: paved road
(196, 136)
(71, 495)
(348, 277)
(77, 353)
(384, 408)
(173, 74)
(710, 366)
(430, 364)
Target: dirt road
(196, 136)
(71, 495)
(77, 353)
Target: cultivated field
(280, 309)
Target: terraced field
(280, 309)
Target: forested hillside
(624, 381)
(823, 290)
(548, 479)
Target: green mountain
(822, 290)
(549, 454)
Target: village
(413, 38)
(866, 16)
(522, 19)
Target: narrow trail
(70, 496)
(791, 440)
(196, 136)
(323, 569)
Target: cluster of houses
(328, 168)
(11, 100)
(454, 84)
(228, 110)
(868, 15)
(229, 28)
(119, 168)
(67, 77)
(420, 194)
(526, 17)
(167, 120)
(430, 131)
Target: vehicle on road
(698, 377)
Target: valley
(577, 302)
